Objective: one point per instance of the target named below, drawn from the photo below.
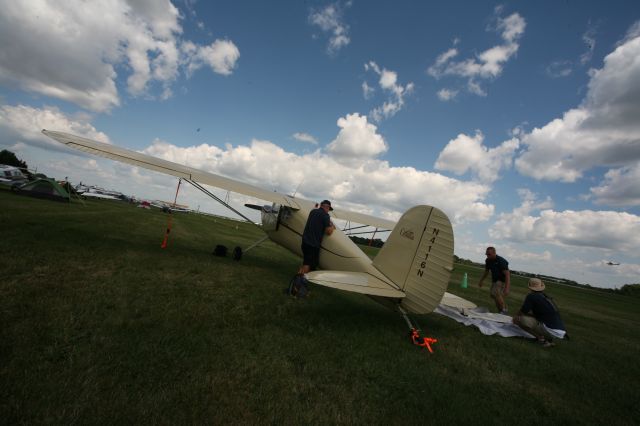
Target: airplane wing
(357, 282)
(153, 163)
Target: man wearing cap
(539, 315)
(318, 224)
(500, 278)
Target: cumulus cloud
(603, 131)
(357, 140)
(516, 254)
(590, 42)
(489, 63)
(621, 187)
(467, 153)
(447, 94)
(365, 184)
(305, 137)
(587, 228)
(85, 45)
(23, 124)
(367, 91)
(372, 186)
(559, 69)
(388, 82)
(221, 55)
(331, 21)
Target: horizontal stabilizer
(457, 302)
(357, 282)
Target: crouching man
(539, 315)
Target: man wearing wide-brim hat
(539, 315)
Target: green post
(463, 284)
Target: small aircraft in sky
(612, 263)
(410, 273)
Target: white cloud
(84, 46)
(367, 91)
(559, 69)
(330, 20)
(371, 186)
(221, 55)
(590, 42)
(621, 187)
(305, 137)
(24, 124)
(388, 83)
(357, 139)
(475, 88)
(441, 61)
(447, 94)
(603, 131)
(489, 63)
(587, 228)
(364, 183)
(466, 153)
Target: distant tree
(367, 241)
(630, 290)
(10, 159)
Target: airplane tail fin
(418, 257)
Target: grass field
(99, 325)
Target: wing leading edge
(163, 166)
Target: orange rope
(424, 342)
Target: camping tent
(44, 188)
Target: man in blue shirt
(318, 224)
(500, 278)
(539, 315)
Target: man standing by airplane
(500, 278)
(318, 224)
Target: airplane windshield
(270, 217)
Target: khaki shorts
(497, 288)
(533, 324)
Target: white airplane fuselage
(338, 252)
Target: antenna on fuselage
(298, 187)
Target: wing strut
(212, 195)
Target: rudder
(418, 257)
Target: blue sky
(518, 119)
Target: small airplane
(612, 263)
(410, 273)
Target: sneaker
(546, 343)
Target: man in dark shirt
(539, 315)
(500, 278)
(318, 224)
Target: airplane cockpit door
(273, 215)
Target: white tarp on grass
(488, 323)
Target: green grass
(100, 325)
